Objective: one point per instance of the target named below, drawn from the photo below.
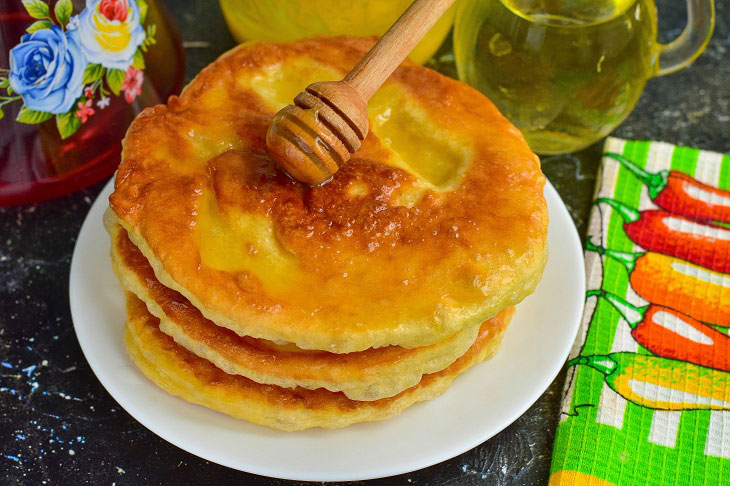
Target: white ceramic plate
(479, 404)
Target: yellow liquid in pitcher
(566, 72)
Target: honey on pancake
(434, 226)
(244, 244)
(366, 375)
(298, 307)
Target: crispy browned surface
(363, 375)
(405, 246)
(186, 375)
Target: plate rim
(570, 238)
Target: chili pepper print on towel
(706, 245)
(647, 393)
(671, 334)
(679, 193)
(660, 383)
(671, 282)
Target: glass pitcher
(567, 72)
(73, 75)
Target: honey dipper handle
(393, 47)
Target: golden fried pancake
(365, 375)
(184, 374)
(436, 224)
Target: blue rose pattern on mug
(64, 62)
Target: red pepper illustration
(671, 334)
(663, 280)
(674, 235)
(681, 194)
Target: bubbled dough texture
(437, 223)
(183, 374)
(366, 375)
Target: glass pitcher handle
(692, 41)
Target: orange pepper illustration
(663, 280)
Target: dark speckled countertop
(59, 426)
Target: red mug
(73, 76)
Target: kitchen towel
(647, 393)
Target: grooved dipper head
(313, 138)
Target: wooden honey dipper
(315, 136)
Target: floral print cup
(72, 77)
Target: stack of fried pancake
(297, 307)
